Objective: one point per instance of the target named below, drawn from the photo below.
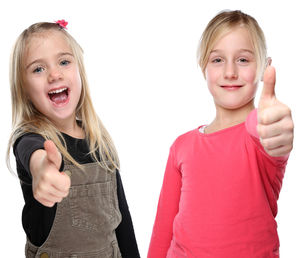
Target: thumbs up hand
(48, 184)
(275, 125)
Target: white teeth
(57, 91)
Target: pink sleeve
(166, 211)
(251, 124)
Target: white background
(147, 89)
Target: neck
(71, 128)
(229, 117)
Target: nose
(54, 74)
(230, 71)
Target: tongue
(59, 98)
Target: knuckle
(37, 196)
(262, 132)
(66, 193)
(270, 152)
(265, 143)
(42, 189)
(290, 138)
(263, 117)
(287, 110)
(45, 177)
(291, 125)
(289, 148)
(50, 204)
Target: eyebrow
(240, 50)
(41, 59)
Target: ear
(268, 63)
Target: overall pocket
(91, 206)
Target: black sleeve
(37, 219)
(24, 147)
(125, 232)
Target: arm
(49, 185)
(125, 232)
(39, 159)
(167, 209)
(23, 148)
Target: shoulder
(184, 141)
(185, 138)
(29, 137)
(28, 141)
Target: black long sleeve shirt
(37, 219)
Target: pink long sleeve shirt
(219, 197)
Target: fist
(275, 125)
(49, 186)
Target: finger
(273, 114)
(46, 200)
(268, 91)
(46, 203)
(49, 193)
(275, 142)
(274, 129)
(280, 151)
(56, 194)
(62, 183)
(53, 154)
(268, 131)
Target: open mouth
(59, 96)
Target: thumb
(53, 154)
(268, 91)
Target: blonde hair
(27, 119)
(223, 23)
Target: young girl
(222, 181)
(81, 212)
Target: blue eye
(38, 69)
(64, 62)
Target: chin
(235, 106)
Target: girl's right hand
(49, 186)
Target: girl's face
(51, 77)
(231, 70)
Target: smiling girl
(75, 204)
(222, 180)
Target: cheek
(77, 79)
(212, 76)
(32, 89)
(249, 75)
(79, 84)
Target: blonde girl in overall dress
(222, 180)
(75, 204)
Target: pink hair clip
(62, 23)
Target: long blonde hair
(27, 119)
(223, 23)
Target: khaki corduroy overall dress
(85, 221)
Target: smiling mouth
(231, 87)
(59, 96)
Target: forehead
(46, 43)
(235, 38)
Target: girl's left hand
(275, 124)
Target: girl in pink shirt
(222, 181)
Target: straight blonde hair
(27, 119)
(223, 23)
